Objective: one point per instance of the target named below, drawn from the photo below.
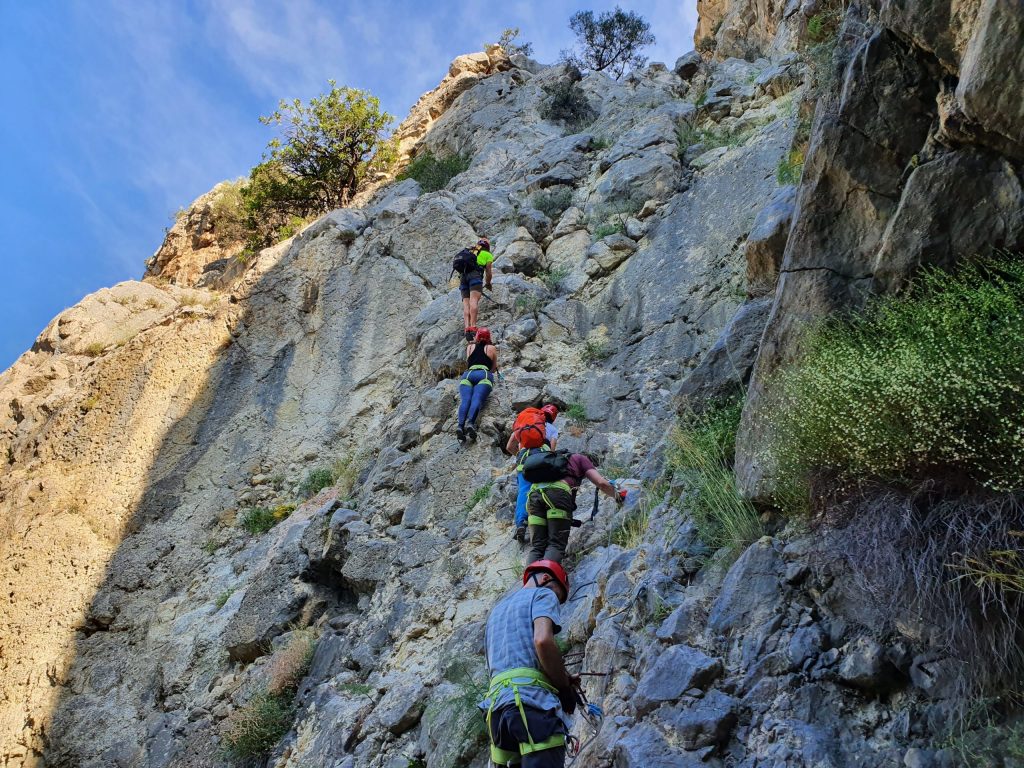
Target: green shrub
(254, 729)
(927, 385)
(576, 414)
(479, 495)
(701, 453)
(434, 173)
(600, 142)
(552, 278)
(345, 472)
(552, 203)
(95, 349)
(610, 218)
(223, 597)
(611, 228)
(508, 42)
(258, 520)
(790, 168)
(528, 304)
(227, 212)
(316, 480)
(595, 350)
(566, 103)
(987, 739)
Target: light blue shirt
(509, 644)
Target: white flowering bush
(928, 385)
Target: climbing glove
(567, 698)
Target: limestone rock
(864, 665)
(676, 670)
(687, 65)
(766, 242)
(706, 722)
(992, 59)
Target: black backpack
(546, 466)
(464, 262)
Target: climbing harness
(553, 513)
(486, 380)
(516, 679)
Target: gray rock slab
(676, 670)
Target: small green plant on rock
(254, 729)
(611, 228)
(529, 304)
(316, 480)
(223, 597)
(701, 453)
(552, 278)
(790, 167)
(552, 203)
(566, 103)
(576, 414)
(95, 349)
(434, 173)
(595, 350)
(479, 495)
(345, 471)
(258, 520)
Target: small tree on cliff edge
(611, 42)
(332, 145)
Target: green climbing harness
(554, 513)
(486, 379)
(516, 679)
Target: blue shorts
(471, 281)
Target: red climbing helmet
(550, 412)
(553, 569)
(484, 335)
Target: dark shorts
(508, 732)
(471, 281)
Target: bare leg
(474, 301)
(466, 314)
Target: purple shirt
(579, 465)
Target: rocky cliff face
(142, 618)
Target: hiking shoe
(471, 432)
(520, 534)
(460, 435)
(470, 334)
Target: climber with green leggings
(531, 694)
(476, 383)
(549, 507)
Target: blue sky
(117, 113)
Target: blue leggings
(524, 491)
(473, 395)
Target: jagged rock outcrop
(877, 197)
(200, 248)
(147, 422)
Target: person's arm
(488, 275)
(492, 352)
(551, 662)
(553, 443)
(512, 446)
(607, 488)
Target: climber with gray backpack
(474, 266)
(555, 477)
